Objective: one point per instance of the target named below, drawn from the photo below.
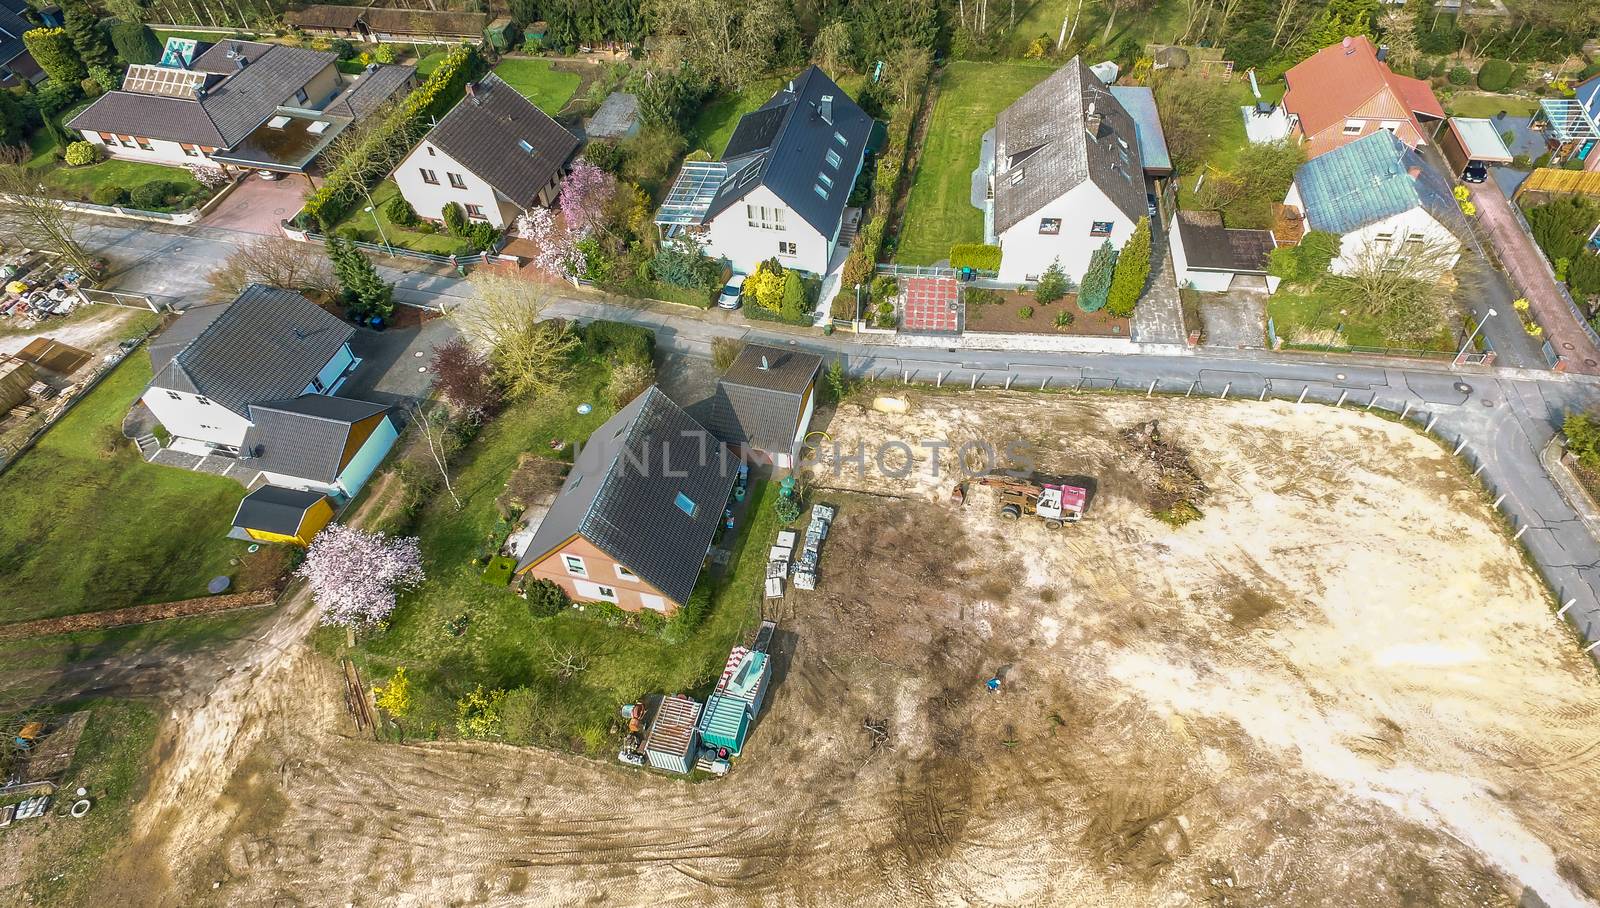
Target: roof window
(685, 504)
(523, 144)
(820, 191)
(825, 180)
(839, 137)
(833, 159)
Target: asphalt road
(1500, 422)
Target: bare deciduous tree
(435, 428)
(274, 260)
(1404, 286)
(529, 354)
(568, 659)
(29, 218)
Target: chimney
(827, 109)
(763, 367)
(472, 92)
(1415, 171)
(1349, 46)
(1091, 121)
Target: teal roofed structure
(1373, 178)
(745, 678)
(725, 723)
(1140, 103)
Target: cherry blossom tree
(558, 246)
(586, 191)
(355, 577)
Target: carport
(1472, 140)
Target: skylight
(825, 180)
(278, 122)
(820, 191)
(523, 144)
(833, 159)
(685, 504)
(839, 137)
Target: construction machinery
(1055, 503)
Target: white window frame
(568, 561)
(626, 575)
(833, 158)
(787, 248)
(653, 602)
(1354, 127)
(588, 589)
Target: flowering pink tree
(208, 176)
(558, 246)
(585, 192)
(355, 577)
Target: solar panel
(692, 193)
(145, 79)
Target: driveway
(258, 205)
(394, 368)
(1236, 319)
(1529, 272)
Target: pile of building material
(778, 563)
(805, 575)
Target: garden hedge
(402, 127)
(975, 255)
(1495, 75)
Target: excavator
(1055, 504)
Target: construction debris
(1176, 489)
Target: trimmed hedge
(975, 255)
(403, 127)
(1495, 75)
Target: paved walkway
(1158, 319)
(1531, 273)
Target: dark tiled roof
(622, 491)
(274, 509)
(762, 407)
(167, 344)
(12, 25)
(1209, 245)
(482, 133)
(306, 436)
(1369, 180)
(268, 345)
(787, 142)
(1044, 135)
(372, 90)
(231, 109)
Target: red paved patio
(932, 305)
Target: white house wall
(1026, 253)
(183, 416)
(1413, 222)
(429, 199)
(730, 236)
(162, 151)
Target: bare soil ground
(1340, 687)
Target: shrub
(478, 713)
(1132, 271)
(1495, 75)
(792, 303)
(455, 219)
(134, 42)
(400, 212)
(1064, 319)
(1459, 75)
(724, 350)
(764, 288)
(155, 194)
(629, 380)
(546, 598)
(687, 619)
(1315, 253)
(105, 78)
(344, 49)
(384, 53)
(482, 235)
(1284, 263)
(975, 255)
(1025, 312)
(884, 287)
(1097, 279)
(109, 195)
(1053, 284)
(52, 49)
(682, 264)
(837, 381)
(621, 342)
(606, 155)
(81, 153)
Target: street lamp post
(1473, 336)
(373, 210)
(858, 301)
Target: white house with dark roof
(239, 105)
(763, 404)
(1211, 258)
(254, 380)
(495, 154)
(780, 189)
(1066, 176)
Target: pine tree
(1053, 284)
(1133, 269)
(363, 291)
(1097, 280)
(82, 22)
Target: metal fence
(402, 252)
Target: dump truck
(1057, 504)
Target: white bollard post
(974, 381)
(1477, 471)
(939, 381)
(1152, 389)
(1562, 612)
(1520, 530)
(1372, 401)
(1263, 393)
(1431, 420)
(905, 377)
(1225, 389)
(1009, 379)
(1407, 411)
(1044, 381)
(1460, 444)
(1342, 395)
(1590, 647)
(1498, 500)
(1191, 388)
(1303, 394)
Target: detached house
(495, 154)
(763, 404)
(1345, 92)
(17, 66)
(238, 105)
(1066, 176)
(1381, 198)
(254, 380)
(781, 187)
(636, 516)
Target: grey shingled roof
(621, 494)
(305, 436)
(482, 132)
(267, 345)
(762, 407)
(784, 145)
(1045, 136)
(275, 509)
(235, 103)
(167, 344)
(1370, 180)
(1210, 246)
(616, 117)
(371, 90)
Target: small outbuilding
(1472, 140)
(763, 404)
(16, 376)
(617, 118)
(1212, 258)
(745, 679)
(277, 514)
(725, 723)
(670, 744)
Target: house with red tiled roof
(1346, 91)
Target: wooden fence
(1550, 179)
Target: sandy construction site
(1341, 686)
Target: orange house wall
(602, 569)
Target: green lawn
(1161, 24)
(503, 646)
(1312, 317)
(83, 532)
(428, 64)
(549, 89)
(1473, 104)
(359, 221)
(79, 182)
(940, 210)
(212, 37)
(60, 858)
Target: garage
(1470, 145)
